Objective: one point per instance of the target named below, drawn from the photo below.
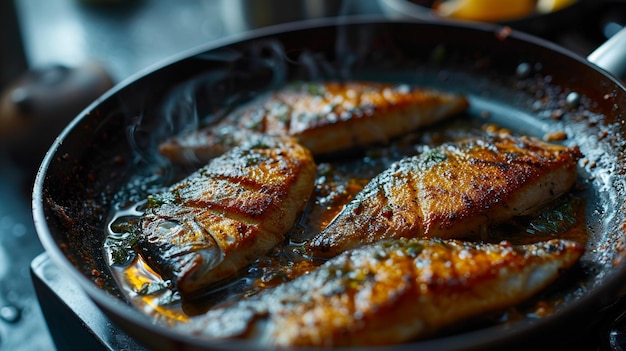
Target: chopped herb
(149, 288)
(414, 248)
(315, 89)
(251, 159)
(555, 220)
(159, 199)
(342, 278)
(119, 255)
(121, 248)
(154, 201)
(301, 251)
(432, 157)
(260, 145)
(124, 235)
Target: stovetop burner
(74, 321)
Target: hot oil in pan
(338, 180)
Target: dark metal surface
(84, 326)
(21, 323)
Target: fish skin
(208, 226)
(391, 292)
(323, 116)
(452, 191)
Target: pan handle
(611, 56)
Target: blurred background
(58, 56)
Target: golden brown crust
(228, 213)
(392, 292)
(324, 117)
(452, 191)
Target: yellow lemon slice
(545, 6)
(486, 10)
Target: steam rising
(235, 77)
(232, 76)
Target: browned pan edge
(93, 159)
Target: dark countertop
(21, 323)
(126, 36)
(130, 35)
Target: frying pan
(107, 156)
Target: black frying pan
(521, 81)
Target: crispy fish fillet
(228, 213)
(324, 117)
(452, 191)
(392, 292)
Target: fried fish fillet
(452, 191)
(391, 292)
(324, 117)
(228, 213)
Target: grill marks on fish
(390, 292)
(228, 213)
(323, 117)
(452, 191)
